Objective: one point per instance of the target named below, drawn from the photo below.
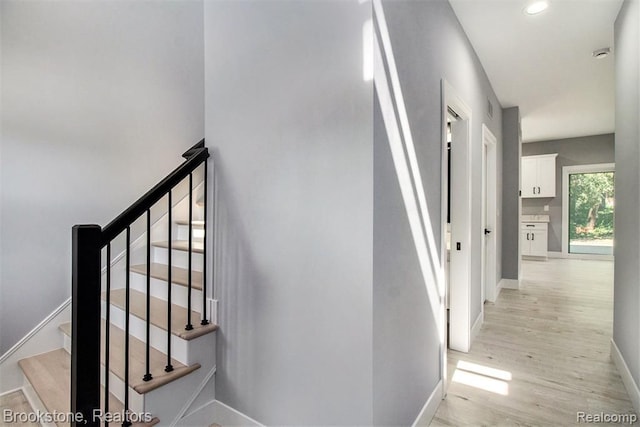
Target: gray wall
(511, 148)
(626, 320)
(99, 100)
(584, 150)
(429, 45)
(291, 120)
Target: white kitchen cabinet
(539, 176)
(534, 239)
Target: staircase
(143, 345)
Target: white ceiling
(543, 63)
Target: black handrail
(195, 156)
(88, 242)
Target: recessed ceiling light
(601, 53)
(536, 7)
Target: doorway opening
(456, 219)
(489, 218)
(588, 205)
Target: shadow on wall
(240, 289)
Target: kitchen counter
(534, 218)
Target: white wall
(626, 321)
(290, 118)
(99, 100)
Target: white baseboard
(498, 289)
(627, 378)
(509, 284)
(555, 254)
(219, 413)
(430, 407)
(477, 325)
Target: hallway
(542, 354)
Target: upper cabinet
(539, 176)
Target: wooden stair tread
(50, 375)
(138, 307)
(182, 245)
(179, 276)
(137, 364)
(196, 223)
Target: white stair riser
(179, 293)
(116, 387)
(178, 258)
(183, 233)
(186, 352)
(158, 336)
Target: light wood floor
(550, 344)
(18, 403)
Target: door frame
(570, 170)
(489, 216)
(460, 260)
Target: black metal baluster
(147, 376)
(126, 422)
(189, 326)
(204, 320)
(169, 366)
(107, 330)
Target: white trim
(35, 330)
(555, 254)
(247, 420)
(566, 171)
(590, 257)
(12, 391)
(499, 288)
(430, 407)
(509, 284)
(34, 400)
(477, 325)
(193, 398)
(625, 374)
(460, 260)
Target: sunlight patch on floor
(482, 377)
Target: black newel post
(85, 321)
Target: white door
(529, 177)
(489, 212)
